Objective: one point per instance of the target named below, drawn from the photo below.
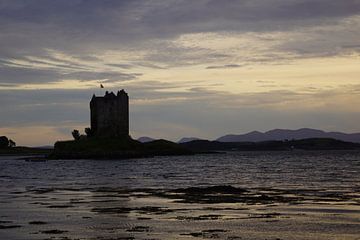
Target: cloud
(158, 50)
(107, 76)
(48, 107)
(124, 66)
(224, 66)
(87, 28)
(52, 41)
(14, 75)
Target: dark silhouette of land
(115, 148)
(283, 134)
(275, 135)
(286, 145)
(8, 147)
(5, 142)
(188, 139)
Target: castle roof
(111, 94)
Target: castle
(110, 115)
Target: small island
(109, 138)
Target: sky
(201, 68)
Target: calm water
(330, 170)
(39, 191)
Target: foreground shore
(218, 212)
(239, 195)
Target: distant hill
(145, 139)
(283, 134)
(303, 144)
(188, 139)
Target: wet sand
(220, 212)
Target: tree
(4, 142)
(89, 132)
(76, 134)
(12, 143)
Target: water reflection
(278, 192)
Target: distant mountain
(282, 134)
(291, 145)
(145, 139)
(188, 139)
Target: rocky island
(108, 137)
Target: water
(302, 188)
(334, 170)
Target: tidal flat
(238, 195)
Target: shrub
(76, 134)
(4, 142)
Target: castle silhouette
(110, 115)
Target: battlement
(110, 114)
(111, 95)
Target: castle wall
(110, 115)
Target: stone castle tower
(110, 115)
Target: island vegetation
(8, 147)
(91, 147)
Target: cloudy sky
(200, 68)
